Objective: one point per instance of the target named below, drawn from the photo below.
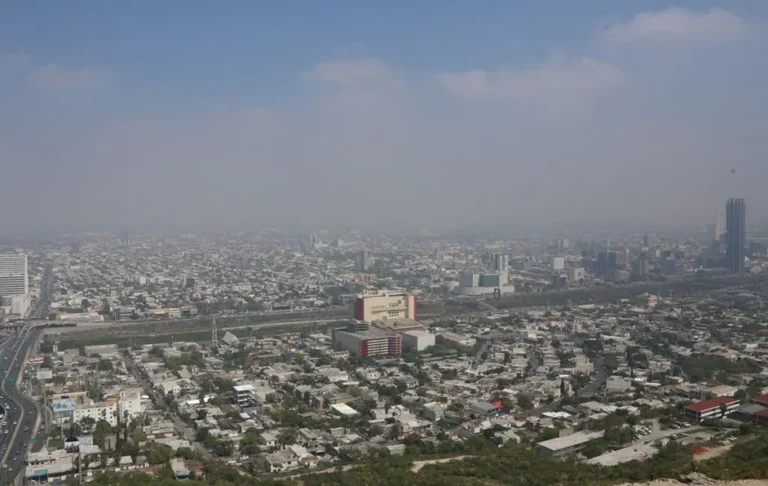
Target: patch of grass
(194, 336)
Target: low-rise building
(179, 468)
(569, 444)
(712, 408)
(244, 395)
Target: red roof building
(761, 417)
(762, 400)
(712, 408)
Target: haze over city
(195, 114)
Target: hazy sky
(239, 113)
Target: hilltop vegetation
(516, 464)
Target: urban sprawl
(298, 358)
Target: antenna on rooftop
(214, 334)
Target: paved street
(21, 411)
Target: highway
(21, 411)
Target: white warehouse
(418, 340)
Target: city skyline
(245, 116)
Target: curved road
(21, 411)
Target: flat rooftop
(369, 334)
(572, 440)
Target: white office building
(484, 283)
(576, 274)
(558, 263)
(14, 279)
(97, 411)
(418, 340)
(20, 304)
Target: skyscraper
(499, 263)
(608, 263)
(735, 228)
(719, 226)
(361, 262)
(13, 274)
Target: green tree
(157, 453)
(249, 444)
(201, 434)
(524, 401)
(287, 436)
(224, 448)
(105, 308)
(187, 453)
(100, 433)
(106, 365)
(395, 431)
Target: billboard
(63, 405)
(72, 445)
(44, 375)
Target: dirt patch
(417, 465)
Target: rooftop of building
(572, 440)
(369, 333)
(400, 324)
(711, 403)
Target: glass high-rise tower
(735, 230)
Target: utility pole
(214, 335)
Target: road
(21, 416)
(597, 381)
(21, 411)
(43, 305)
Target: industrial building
(569, 444)
(418, 340)
(369, 342)
(384, 305)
